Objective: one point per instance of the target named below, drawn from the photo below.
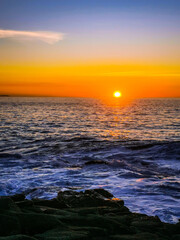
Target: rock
(141, 236)
(71, 234)
(9, 225)
(93, 214)
(89, 198)
(25, 203)
(53, 203)
(6, 203)
(18, 237)
(116, 203)
(18, 197)
(172, 229)
(103, 192)
(98, 193)
(176, 237)
(33, 223)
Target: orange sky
(90, 81)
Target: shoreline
(90, 214)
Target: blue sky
(58, 15)
(94, 29)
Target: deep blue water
(131, 148)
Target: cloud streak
(47, 37)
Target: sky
(88, 48)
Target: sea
(128, 147)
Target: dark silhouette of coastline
(4, 95)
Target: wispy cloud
(48, 37)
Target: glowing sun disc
(117, 94)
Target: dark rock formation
(93, 214)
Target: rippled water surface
(130, 148)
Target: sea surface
(131, 148)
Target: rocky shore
(92, 214)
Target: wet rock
(89, 198)
(146, 226)
(103, 192)
(9, 225)
(92, 214)
(141, 236)
(25, 203)
(6, 203)
(176, 237)
(18, 237)
(63, 235)
(18, 197)
(116, 203)
(53, 203)
(33, 223)
(83, 200)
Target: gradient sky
(90, 48)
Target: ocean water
(131, 148)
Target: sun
(117, 94)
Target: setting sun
(117, 94)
